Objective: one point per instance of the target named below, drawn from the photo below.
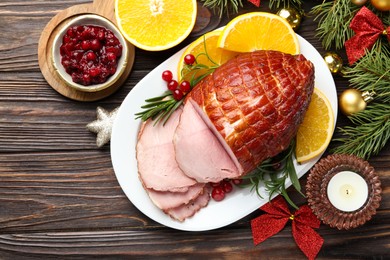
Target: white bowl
(88, 19)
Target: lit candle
(347, 191)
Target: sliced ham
(186, 211)
(199, 153)
(157, 167)
(166, 200)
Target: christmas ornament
(292, 16)
(368, 27)
(303, 222)
(103, 125)
(326, 171)
(353, 101)
(333, 61)
(255, 2)
(358, 2)
(381, 5)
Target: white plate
(237, 204)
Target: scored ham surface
(253, 104)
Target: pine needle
(223, 6)
(285, 3)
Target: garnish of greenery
(334, 18)
(273, 173)
(160, 108)
(223, 6)
(285, 3)
(371, 130)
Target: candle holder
(317, 193)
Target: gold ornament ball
(359, 2)
(351, 102)
(381, 5)
(333, 61)
(292, 16)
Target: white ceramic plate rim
(237, 204)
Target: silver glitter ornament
(103, 125)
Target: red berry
(185, 86)
(111, 56)
(177, 94)
(218, 194)
(167, 75)
(85, 45)
(91, 56)
(237, 181)
(94, 72)
(189, 59)
(95, 45)
(226, 186)
(172, 85)
(215, 184)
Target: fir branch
(273, 173)
(372, 72)
(285, 3)
(223, 6)
(370, 135)
(334, 18)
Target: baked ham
(248, 110)
(253, 104)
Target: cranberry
(217, 194)
(95, 45)
(167, 75)
(172, 85)
(86, 45)
(189, 59)
(84, 54)
(215, 184)
(177, 94)
(226, 186)
(185, 86)
(111, 56)
(91, 56)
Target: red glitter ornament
(303, 222)
(368, 27)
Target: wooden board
(104, 8)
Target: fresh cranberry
(189, 59)
(94, 72)
(167, 75)
(101, 35)
(185, 86)
(177, 94)
(172, 85)
(217, 193)
(226, 186)
(95, 45)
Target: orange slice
(155, 25)
(259, 31)
(316, 130)
(204, 46)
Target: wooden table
(59, 197)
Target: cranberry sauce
(90, 54)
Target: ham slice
(188, 210)
(198, 152)
(166, 200)
(157, 167)
(254, 103)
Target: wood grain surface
(59, 197)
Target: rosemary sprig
(160, 108)
(273, 173)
